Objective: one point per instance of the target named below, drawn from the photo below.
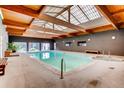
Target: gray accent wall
(101, 41)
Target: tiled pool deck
(24, 71)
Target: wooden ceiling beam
(18, 25)
(54, 37)
(101, 28)
(62, 11)
(35, 34)
(73, 33)
(105, 12)
(60, 22)
(65, 9)
(39, 11)
(14, 30)
(121, 25)
(34, 14)
(20, 9)
(92, 30)
(62, 36)
(42, 8)
(119, 11)
(14, 23)
(15, 34)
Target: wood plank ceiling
(19, 21)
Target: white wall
(3, 39)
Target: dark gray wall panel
(99, 41)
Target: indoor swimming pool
(53, 58)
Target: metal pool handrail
(62, 66)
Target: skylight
(64, 16)
(90, 11)
(78, 14)
(53, 10)
(74, 20)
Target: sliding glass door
(34, 47)
(45, 46)
(21, 46)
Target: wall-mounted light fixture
(89, 39)
(113, 37)
(73, 40)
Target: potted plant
(12, 47)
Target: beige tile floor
(26, 72)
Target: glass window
(21, 46)
(54, 46)
(34, 47)
(45, 46)
(82, 43)
(68, 44)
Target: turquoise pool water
(53, 58)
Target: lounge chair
(3, 63)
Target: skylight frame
(62, 17)
(72, 18)
(54, 26)
(90, 11)
(78, 15)
(75, 18)
(55, 9)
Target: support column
(40, 46)
(27, 46)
